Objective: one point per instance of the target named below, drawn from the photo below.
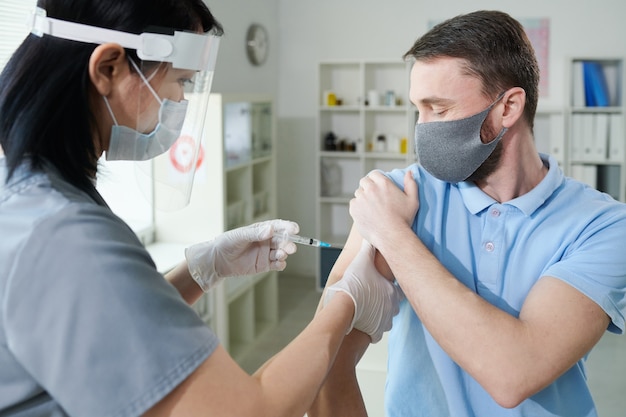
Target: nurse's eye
(185, 82)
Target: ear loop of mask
(106, 101)
(145, 80)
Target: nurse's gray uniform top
(88, 326)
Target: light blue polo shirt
(88, 326)
(562, 228)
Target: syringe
(308, 241)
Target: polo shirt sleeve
(397, 175)
(595, 262)
(93, 321)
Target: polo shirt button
(495, 212)
(489, 246)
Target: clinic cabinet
(234, 186)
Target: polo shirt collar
(476, 200)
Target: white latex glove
(375, 298)
(248, 250)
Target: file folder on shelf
(617, 138)
(596, 90)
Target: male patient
(512, 272)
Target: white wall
(305, 32)
(234, 74)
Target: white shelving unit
(597, 153)
(234, 186)
(549, 132)
(365, 122)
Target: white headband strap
(184, 50)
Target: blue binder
(596, 90)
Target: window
(13, 17)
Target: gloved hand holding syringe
(247, 250)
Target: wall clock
(257, 44)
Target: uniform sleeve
(595, 263)
(93, 321)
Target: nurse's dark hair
(44, 88)
(496, 51)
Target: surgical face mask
(452, 150)
(128, 144)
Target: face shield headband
(167, 179)
(184, 50)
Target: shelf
(252, 305)
(235, 214)
(236, 286)
(549, 132)
(339, 176)
(342, 79)
(596, 82)
(265, 159)
(385, 109)
(340, 154)
(388, 80)
(596, 110)
(337, 222)
(342, 108)
(241, 324)
(596, 149)
(386, 155)
(594, 163)
(376, 118)
(229, 193)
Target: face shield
(165, 136)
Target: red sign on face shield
(182, 154)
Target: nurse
(88, 326)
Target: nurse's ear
(107, 66)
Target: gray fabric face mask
(452, 150)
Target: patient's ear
(515, 101)
(107, 66)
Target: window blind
(13, 15)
